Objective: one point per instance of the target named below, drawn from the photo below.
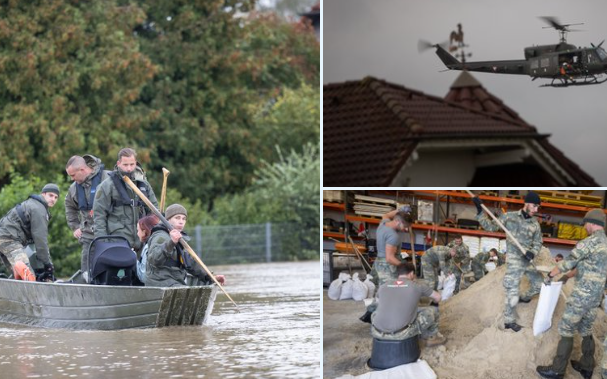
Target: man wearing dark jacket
(27, 223)
(87, 172)
(117, 208)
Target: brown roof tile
(371, 127)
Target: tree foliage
(69, 74)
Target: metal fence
(231, 244)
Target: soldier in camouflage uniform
(435, 258)
(590, 258)
(480, 259)
(389, 238)
(27, 223)
(525, 228)
(461, 261)
(398, 317)
(87, 172)
(117, 208)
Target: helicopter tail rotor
(423, 45)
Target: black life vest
(85, 204)
(125, 200)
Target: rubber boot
(22, 272)
(586, 363)
(563, 352)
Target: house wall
(438, 168)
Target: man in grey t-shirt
(398, 317)
(389, 241)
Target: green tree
(215, 69)
(69, 74)
(287, 191)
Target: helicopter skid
(563, 82)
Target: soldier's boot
(523, 299)
(559, 363)
(513, 325)
(22, 272)
(586, 364)
(366, 317)
(436, 340)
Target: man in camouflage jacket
(590, 258)
(117, 208)
(27, 223)
(461, 261)
(526, 229)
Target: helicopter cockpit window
(602, 53)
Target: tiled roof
(469, 92)
(371, 127)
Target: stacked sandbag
(359, 289)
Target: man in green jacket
(117, 208)
(87, 172)
(27, 223)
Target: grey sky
(379, 38)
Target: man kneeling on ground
(398, 317)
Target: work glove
(529, 256)
(478, 203)
(47, 274)
(547, 280)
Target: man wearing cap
(589, 256)
(526, 229)
(117, 208)
(26, 223)
(88, 172)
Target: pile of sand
(477, 346)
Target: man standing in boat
(87, 172)
(117, 209)
(25, 223)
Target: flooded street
(276, 334)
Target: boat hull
(98, 307)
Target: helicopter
(565, 64)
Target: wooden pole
(359, 254)
(170, 227)
(163, 194)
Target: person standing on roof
(27, 223)
(526, 229)
(117, 208)
(87, 172)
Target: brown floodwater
(276, 334)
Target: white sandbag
(448, 287)
(490, 266)
(346, 288)
(335, 287)
(415, 370)
(549, 296)
(370, 287)
(359, 289)
(441, 281)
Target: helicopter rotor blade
(554, 23)
(601, 43)
(423, 45)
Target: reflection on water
(276, 334)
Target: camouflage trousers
(512, 280)
(479, 270)
(385, 271)
(458, 275)
(85, 240)
(604, 362)
(14, 252)
(430, 271)
(425, 324)
(577, 318)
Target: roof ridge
(394, 105)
